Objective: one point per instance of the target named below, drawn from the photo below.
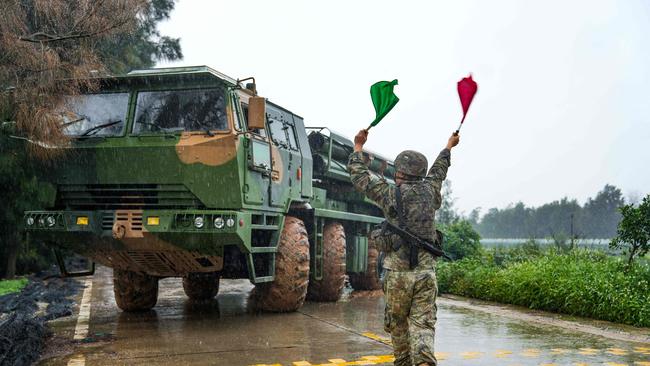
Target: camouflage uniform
(410, 313)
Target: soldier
(410, 284)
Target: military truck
(186, 172)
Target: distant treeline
(597, 218)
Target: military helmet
(411, 163)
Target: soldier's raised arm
(373, 187)
(438, 172)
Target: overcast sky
(564, 86)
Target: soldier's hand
(360, 139)
(453, 140)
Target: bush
(584, 283)
(461, 240)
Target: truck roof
(181, 72)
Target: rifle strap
(413, 250)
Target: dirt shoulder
(596, 327)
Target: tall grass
(581, 282)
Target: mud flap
(64, 271)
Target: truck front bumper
(158, 242)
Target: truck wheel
(330, 286)
(134, 291)
(368, 280)
(287, 292)
(201, 286)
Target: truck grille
(126, 196)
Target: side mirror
(256, 113)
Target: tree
(21, 191)
(633, 231)
(142, 47)
(42, 43)
(446, 214)
(601, 214)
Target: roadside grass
(11, 286)
(580, 282)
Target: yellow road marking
(617, 351)
(377, 337)
(471, 355)
(441, 355)
(502, 353)
(588, 351)
(559, 351)
(79, 360)
(531, 352)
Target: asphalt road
(225, 332)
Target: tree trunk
(633, 250)
(12, 254)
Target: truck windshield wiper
(91, 131)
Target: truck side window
(237, 117)
(291, 131)
(244, 110)
(278, 133)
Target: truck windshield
(181, 110)
(95, 114)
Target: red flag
(466, 90)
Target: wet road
(349, 332)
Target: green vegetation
(461, 240)
(633, 233)
(580, 282)
(11, 286)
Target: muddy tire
(134, 291)
(368, 280)
(201, 286)
(329, 288)
(287, 292)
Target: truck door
(285, 157)
(257, 178)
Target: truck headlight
(230, 222)
(198, 222)
(41, 221)
(218, 222)
(50, 221)
(30, 221)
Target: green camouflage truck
(186, 172)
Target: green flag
(383, 99)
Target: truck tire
(134, 291)
(329, 288)
(287, 292)
(370, 279)
(201, 286)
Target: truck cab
(186, 172)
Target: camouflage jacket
(420, 200)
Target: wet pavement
(225, 332)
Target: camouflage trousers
(410, 315)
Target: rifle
(413, 239)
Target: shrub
(584, 283)
(461, 240)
